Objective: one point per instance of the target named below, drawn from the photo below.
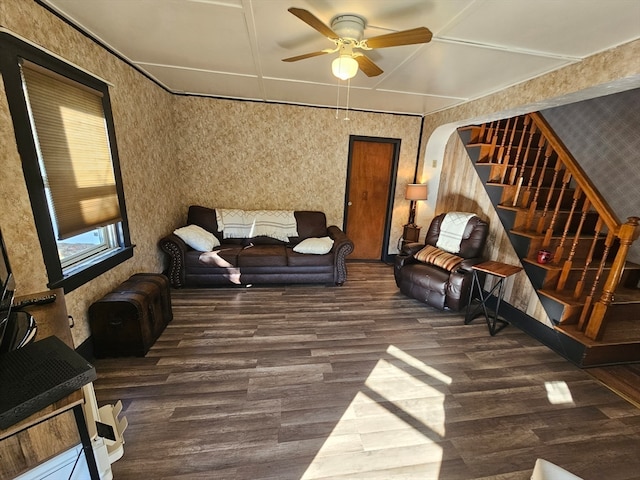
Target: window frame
(12, 51)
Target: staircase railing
(542, 177)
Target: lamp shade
(344, 67)
(416, 191)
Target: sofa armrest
(342, 246)
(175, 248)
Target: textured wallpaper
(142, 115)
(251, 155)
(602, 135)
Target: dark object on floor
(127, 321)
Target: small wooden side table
(410, 233)
(501, 271)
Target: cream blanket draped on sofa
(278, 224)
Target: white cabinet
(72, 463)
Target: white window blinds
(74, 148)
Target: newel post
(627, 234)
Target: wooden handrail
(628, 234)
(609, 217)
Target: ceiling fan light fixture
(344, 67)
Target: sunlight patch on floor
(394, 424)
(558, 393)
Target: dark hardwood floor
(356, 382)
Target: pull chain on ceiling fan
(346, 32)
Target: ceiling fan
(346, 32)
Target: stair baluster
(516, 160)
(526, 196)
(503, 141)
(577, 194)
(518, 171)
(596, 235)
(533, 206)
(586, 310)
(547, 204)
(565, 182)
(568, 263)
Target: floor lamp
(414, 192)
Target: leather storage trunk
(127, 321)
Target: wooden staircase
(545, 201)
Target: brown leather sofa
(256, 260)
(432, 284)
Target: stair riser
(623, 311)
(511, 177)
(547, 278)
(559, 312)
(521, 222)
(510, 192)
(531, 246)
(492, 154)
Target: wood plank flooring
(622, 379)
(356, 382)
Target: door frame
(384, 254)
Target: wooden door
(371, 177)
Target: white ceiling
(234, 48)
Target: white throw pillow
(317, 246)
(197, 238)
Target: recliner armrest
(467, 263)
(411, 248)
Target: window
(64, 130)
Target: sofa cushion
(197, 238)
(310, 224)
(263, 255)
(205, 218)
(435, 256)
(314, 245)
(224, 257)
(295, 259)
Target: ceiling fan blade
(306, 55)
(311, 20)
(369, 68)
(405, 37)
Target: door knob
(349, 203)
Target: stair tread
(578, 264)
(624, 334)
(516, 208)
(556, 236)
(622, 296)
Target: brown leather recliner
(434, 285)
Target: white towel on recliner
(452, 229)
